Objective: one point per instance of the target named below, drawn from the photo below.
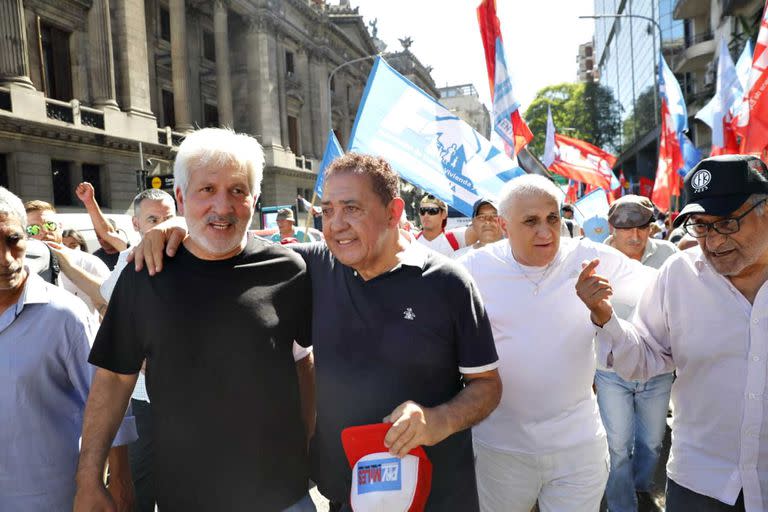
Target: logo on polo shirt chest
(408, 314)
(379, 475)
(701, 180)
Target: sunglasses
(35, 229)
(430, 210)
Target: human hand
(85, 193)
(595, 291)
(123, 494)
(94, 498)
(61, 254)
(167, 235)
(412, 426)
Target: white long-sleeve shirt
(693, 320)
(545, 344)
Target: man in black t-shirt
(400, 335)
(216, 330)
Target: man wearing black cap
(705, 316)
(634, 413)
(485, 223)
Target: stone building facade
(91, 88)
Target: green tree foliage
(586, 111)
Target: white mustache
(231, 219)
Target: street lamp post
(330, 111)
(656, 71)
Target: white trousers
(571, 480)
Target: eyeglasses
(727, 226)
(431, 210)
(35, 229)
(486, 218)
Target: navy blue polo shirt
(407, 334)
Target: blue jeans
(634, 414)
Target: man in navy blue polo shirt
(400, 334)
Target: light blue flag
(332, 152)
(549, 141)
(591, 213)
(691, 156)
(669, 90)
(427, 144)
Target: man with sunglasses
(705, 316)
(433, 214)
(42, 225)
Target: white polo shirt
(545, 344)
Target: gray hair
(151, 194)
(755, 199)
(527, 186)
(12, 206)
(219, 147)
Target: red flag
(730, 144)
(645, 187)
(572, 195)
(490, 29)
(581, 161)
(667, 181)
(753, 122)
(513, 129)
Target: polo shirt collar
(34, 292)
(650, 248)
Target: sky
(541, 39)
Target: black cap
(721, 184)
(480, 202)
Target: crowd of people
(511, 364)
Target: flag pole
(310, 212)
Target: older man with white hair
(706, 317)
(545, 442)
(45, 336)
(224, 314)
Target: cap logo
(379, 475)
(700, 180)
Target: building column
(302, 64)
(131, 32)
(180, 66)
(262, 96)
(223, 83)
(102, 67)
(320, 101)
(281, 94)
(14, 61)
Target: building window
(293, 134)
(165, 24)
(92, 174)
(4, 182)
(333, 84)
(62, 184)
(209, 46)
(169, 116)
(57, 68)
(210, 115)
(289, 66)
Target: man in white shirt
(485, 224)
(433, 214)
(545, 442)
(705, 316)
(42, 225)
(634, 413)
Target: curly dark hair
(383, 178)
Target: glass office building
(626, 52)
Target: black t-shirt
(217, 336)
(400, 336)
(110, 260)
